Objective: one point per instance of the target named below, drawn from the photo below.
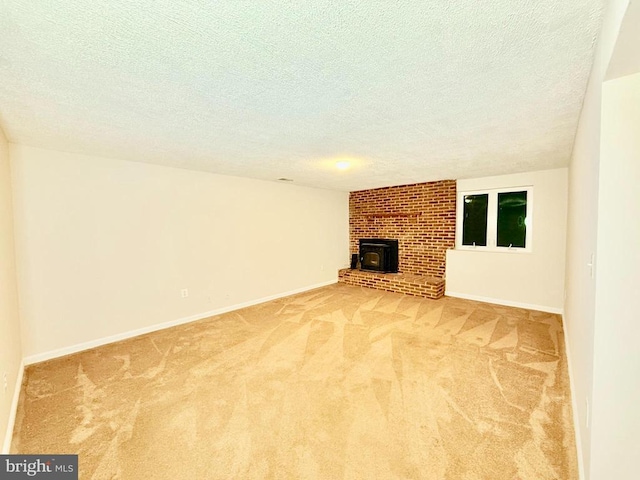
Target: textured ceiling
(410, 91)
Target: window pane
(474, 225)
(512, 216)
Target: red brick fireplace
(422, 217)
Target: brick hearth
(410, 284)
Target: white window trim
(492, 220)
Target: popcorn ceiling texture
(413, 91)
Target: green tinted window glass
(512, 216)
(474, 225)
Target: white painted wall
(615, 442)
(10, 345)
(534, 279)
(105, 246)
(582, 221)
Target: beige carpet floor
(341, 382)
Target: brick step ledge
(409, 284)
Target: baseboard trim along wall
(41, 357)
(6, 446)
(574, 404)
(506, 303)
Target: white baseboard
(574, 404)
(6, 446)
(506, 303)
(41, 357)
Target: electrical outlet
(592, 265)
(184, 293)
(5, 382)
(588, 413)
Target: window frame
(492, 220)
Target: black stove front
(379, 255)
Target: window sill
(493, 250)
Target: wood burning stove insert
(379, 255)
